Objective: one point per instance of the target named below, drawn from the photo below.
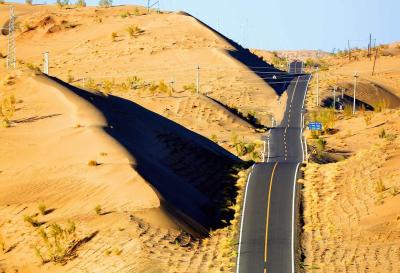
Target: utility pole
(150, 5)
(198, 80)
(317, 86)
(370, 46)
(172, 86)
(334, 98)
(354, 92)
(11, 41)
(46, 63)
(376, 55)
(348, 45)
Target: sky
(292, 24)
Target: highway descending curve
(267, 241)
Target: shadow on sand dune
(191, 174)
(256, 64)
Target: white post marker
(317, 86)
(354, 92)
(46, 63)
(198, 80)
(334, 98)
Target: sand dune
(119, 161)
(169, 46)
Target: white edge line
(293, 213)
(241, 223)
(301, 120)
(268, 147)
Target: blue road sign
(315, 126)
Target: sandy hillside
(83, 159)
(107, 165)
(351, 207)
(153, 47)
(338, 71)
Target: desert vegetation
(105, 3)
(7, 110)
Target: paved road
(267, 238)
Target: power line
(11, 41)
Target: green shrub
(29, 2)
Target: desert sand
(105, 165)
(351, 207)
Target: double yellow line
(266, 228)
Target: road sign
(315, 126)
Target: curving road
(267, 239)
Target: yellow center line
(266, 227)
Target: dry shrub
(381, 105)
(114, 36)
(7, 110)
(81, 3)
(42, 208)
(326, 117)
(93, 163)
(108, 86)
(134, 31)
(163, 87)
(367, 118)
(57, 243)
(98, 210)
(190, 87)
(32, 220)
(54, 29)
(379, 186)
(48, 20)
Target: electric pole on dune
(349, 49)
(150, 5)
(46, 62)
(198, 80)
(11, 41)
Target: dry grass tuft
(58, 243)
(93, 163)
(98, 210)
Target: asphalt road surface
(267, 240)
